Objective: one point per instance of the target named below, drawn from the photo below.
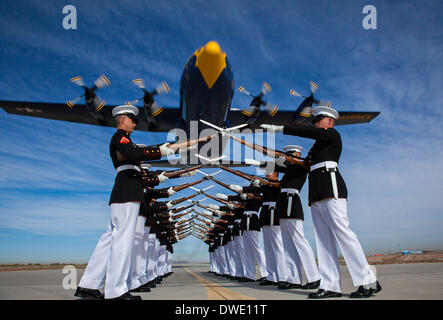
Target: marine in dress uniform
(138, 279)
(298, 251)
(250, 226)
(111, 259)
(328, 201)
(269, 223)
(238, 246)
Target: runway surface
(421, 281)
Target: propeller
(93, 102)
(314, 88)
(257, 102)
(152, 108)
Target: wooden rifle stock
(175, 210)
(270, 152)
(249, 195)
(221, 213)
(226, 202)
(180, 200)
(176, 173)
(187, 185)
(186, 144)
(250, 177)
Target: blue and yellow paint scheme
(206, 92)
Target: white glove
(189, 173)
(162, 177)
(236, 187)
(171, 191)
(231, 206)
(165, 151)
(256, 183)
(271, 127)
(169, 204)
(244, 196)
(221, 196)
(252, 162)
(214, 206)
(280, 161)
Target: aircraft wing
(235, 117)
(59, 111)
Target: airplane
(206, 92)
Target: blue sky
(56, 177)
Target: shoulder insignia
(124, 140)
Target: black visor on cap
(318, 118)
(132, 116)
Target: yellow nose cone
(211, 61)
(212, 47)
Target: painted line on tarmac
(217, 292)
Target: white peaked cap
(325, 110)
(125, 109)
(292, 148)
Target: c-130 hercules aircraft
(206, 92)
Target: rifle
(210, 218)
(184, 221)
(221, 213)
(180, 200)
(201, 226)
(175, 210)
(189, 143)
(266, 151)
(186, 185)
(250, 177)
(176, 173)
(204, 221)
(226, 202)
(243, 175)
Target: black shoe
(286, 285)
(377, 288)
(261, 279)
(244, 279)
(361, 292)
(127, 296)
(267, 282)
(89, 294)
(311, 285)
(157, 280)
(142, 288)
(321, 294)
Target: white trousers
(151, 263)
(230, 257)
(139, 255)
(298, 251)
(331, 226)
(239, 256)
(221, 258)
(274, 254)
(254, 254)
(161, 260)
(216, 261)
(111, 259)
(211, 262)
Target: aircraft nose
(211, 61)
(213, 48)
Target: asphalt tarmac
(421, 281)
